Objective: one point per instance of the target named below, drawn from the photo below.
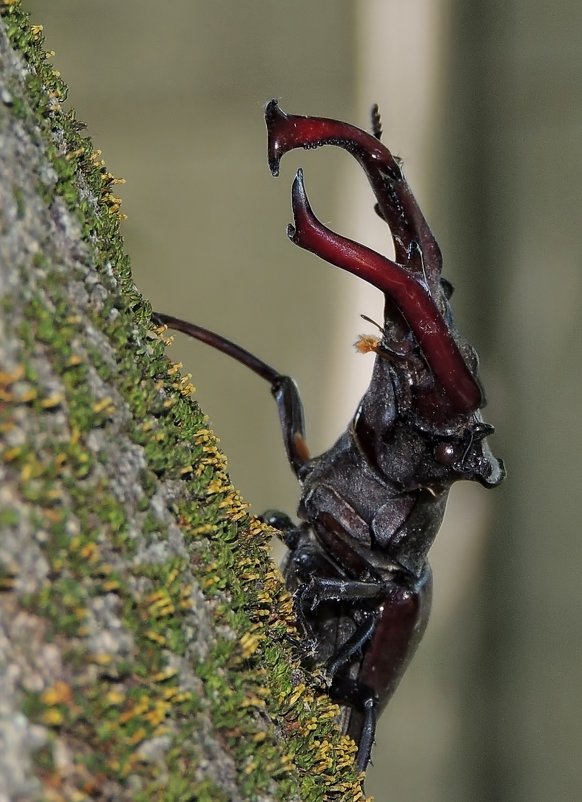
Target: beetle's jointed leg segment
(362, 723)
(283, 388)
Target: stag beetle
(371, 506)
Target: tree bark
(144, 632)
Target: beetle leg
(364, 714)
(286, 395)
(283, 388)
(322, 589)
(367, 732)
(288, 532)
(352, 646)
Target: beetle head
(411, 452)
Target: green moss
(9, 516)
(45, 759)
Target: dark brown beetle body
(372, 505)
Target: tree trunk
(144, 632)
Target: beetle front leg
(286, 394)
(283, 388)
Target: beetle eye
(445, 453)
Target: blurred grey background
(483, 100)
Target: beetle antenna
(373, 322)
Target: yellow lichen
(53, 717)
(296, 695)
(102, 405)
(114, 698)
(74, 360)
(11, 454)
(59, 693)
(52, 401)
(165, 674)
(154, 636)
(8, 378)
(249, 644)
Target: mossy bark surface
(144, 633)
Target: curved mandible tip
(396, 203)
